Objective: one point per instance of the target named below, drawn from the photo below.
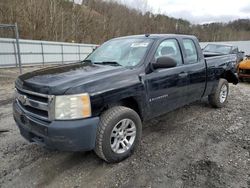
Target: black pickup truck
(100, 103)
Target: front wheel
(118, 134)
(219, 97)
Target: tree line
(95, 21)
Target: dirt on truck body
(194, 146)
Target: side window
(190, 51)
(169, 48)
(235, 50)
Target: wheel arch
(129, 102)
(230, 77)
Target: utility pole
(18, 48)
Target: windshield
(124, 52)
(220, 49)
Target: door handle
(183, 74)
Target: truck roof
(158, 36)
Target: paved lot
(195, 146)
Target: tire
(112, 129)
(219, 97)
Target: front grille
(34, 104)
(244, 71)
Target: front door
(166, 88)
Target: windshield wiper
(211, 52)
(114, 63)
(86, 61)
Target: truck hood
(57, 80)
(245, 64)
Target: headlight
(72, 107)
(241, 71)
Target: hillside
(95, 21)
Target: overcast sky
(198, 11)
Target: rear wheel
(118, 134)
(219, 97)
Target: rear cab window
(190, 51)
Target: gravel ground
(194, 146)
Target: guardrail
(34, 52)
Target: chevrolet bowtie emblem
(22, 99)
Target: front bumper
(74, 135)
(243, 75)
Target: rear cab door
(195, 68)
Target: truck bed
(229, 61)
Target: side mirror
(164, 62)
